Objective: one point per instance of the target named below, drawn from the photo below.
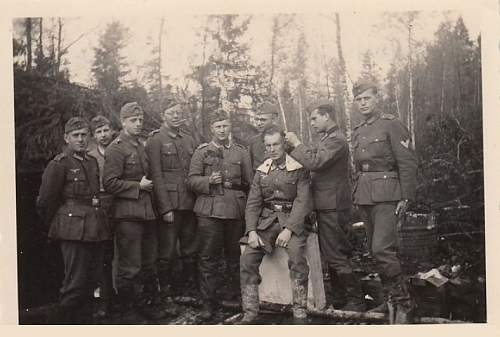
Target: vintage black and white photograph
(250, 168)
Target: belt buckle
(227, 184)
(96, 202)
(278, 208)
(365, 167)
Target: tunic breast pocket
(290, 187)
(131, 168)
(377, 145)
(170, 159)
(77, 183)
(234, 169)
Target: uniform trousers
(381, 230)
(335, 239)
(296, 249)
(83, 263)
(218, 237)
(136, 251)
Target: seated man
(278, 203)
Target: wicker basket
(418, 237)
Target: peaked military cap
(363, 85)
(130, 109)
(75, 123)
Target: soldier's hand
(168, 217)
(146, 184)
(283, 238)
(215, 178)
(254, 240)
(401, 208)
(292, 139)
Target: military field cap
(361, 86)
(75, 123)
(267, 108)
(99, 121)
(130, 109)
(321, 103)
(173, 103)
(217, 116)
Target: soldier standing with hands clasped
(386, 168)
(220, 175)
(170, 149)
(329, 166)
(69, 203)
(126, 169)
(278, 203)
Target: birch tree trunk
(160, 84)
(345, 93)
(29, 60)
(411, 114)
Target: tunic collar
(290, 165)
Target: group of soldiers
(130, 211)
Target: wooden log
(371, 317)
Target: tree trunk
(40, 37)
(59, 42)
(29, 60)
(411, 117)
(345, 92)
(160, 84)
(273, 53)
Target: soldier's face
(319, 122)
(103, 135)
(275, 146)
(366, 102)
(133, 125)
(221, 130)
(77, 140)
(173, 117)
(262, 122)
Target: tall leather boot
(147, 304)
(400, 303)
(355, 299)
(299, 306)
(382, 308)
(250, 303)
(166, 294)
(338, 292)
(190, 267)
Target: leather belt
(280, 207)
(230, 186)
(91, 202)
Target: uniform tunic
(170, 153)
(279, 198)
(257, 151)
(331, 190)
(68, 203)
(220, 209)
(125, 164)
(386, 168)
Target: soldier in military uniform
(220, 174)
(126, 177)
(278, 203)
(386, 168)
(328, 163)
(69, 203)
(101, 129)
(264, 118)
(170, 150)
